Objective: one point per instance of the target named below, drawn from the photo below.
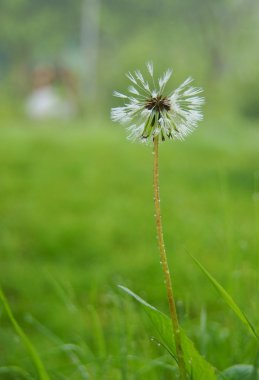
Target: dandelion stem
(166, 272)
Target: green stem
(166, 272)
(42, 373)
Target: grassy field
(76, 208)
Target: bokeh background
(76, 203)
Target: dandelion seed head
(133, 90)
(150, 111)
(150, 68)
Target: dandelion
(153, 115)
(150, 111)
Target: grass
(76, 208)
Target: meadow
(77, 219)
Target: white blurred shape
(45, 103)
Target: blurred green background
(76, 203)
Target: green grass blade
(32, 351)
(229, 300)
(198, 368)
(13, 371)
(240, 372)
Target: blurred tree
(219, 25)
(37, 29)
(89, 46)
